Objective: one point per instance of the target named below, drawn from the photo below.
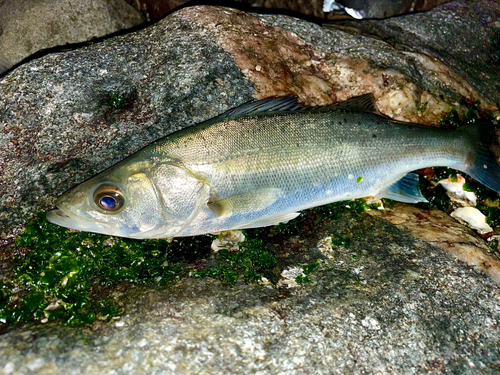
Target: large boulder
(384, 297)
(28, 26)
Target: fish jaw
(59, 217)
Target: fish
(262, 163)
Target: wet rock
(320, 9)
(386, 301)
(382, 8)
(67, 116)
(439, 229)
(442, 36)
(28, 26)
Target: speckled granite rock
(27, 26)
(67, 116)
(439, 229)
(385, 303)
(444, 34)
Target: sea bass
(262, 163)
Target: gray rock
(386, 303)
(464, 35)
(67, 116)
(27, 26)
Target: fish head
(130, 200)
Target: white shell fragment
(289, 276)
(374, 200)
(228, 240)
(473, 217)
(457, 193)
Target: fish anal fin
(404, 190)
(246, 202)
(275, 220)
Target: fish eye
(109, 198)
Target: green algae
(307, 269)
(472, 115)
(487, 200)
(255, 261)
(116, 101)
(72, 277)
(69, 276)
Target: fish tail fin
(482, 164)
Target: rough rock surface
(444, 34)
(27, 26)
(69, 115)
(439, 229)
(385, 304)
(154, 9)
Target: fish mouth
(60, 217)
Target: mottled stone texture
(439, 229)
(67, 116)
(385, 304)
(465, 35)
(27, 26)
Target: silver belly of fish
(261, 164)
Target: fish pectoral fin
(405, 190)
(246, 202)
(275, 220)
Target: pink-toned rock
(439, 229)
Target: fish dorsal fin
(275, 220)
(246, 202)
(264, 106)
(362, 103)
(405, 190)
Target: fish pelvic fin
(482, 164)
(405, 190)
(246, 202)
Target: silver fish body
(253, 169)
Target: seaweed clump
(70, 276)
(255, 261)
